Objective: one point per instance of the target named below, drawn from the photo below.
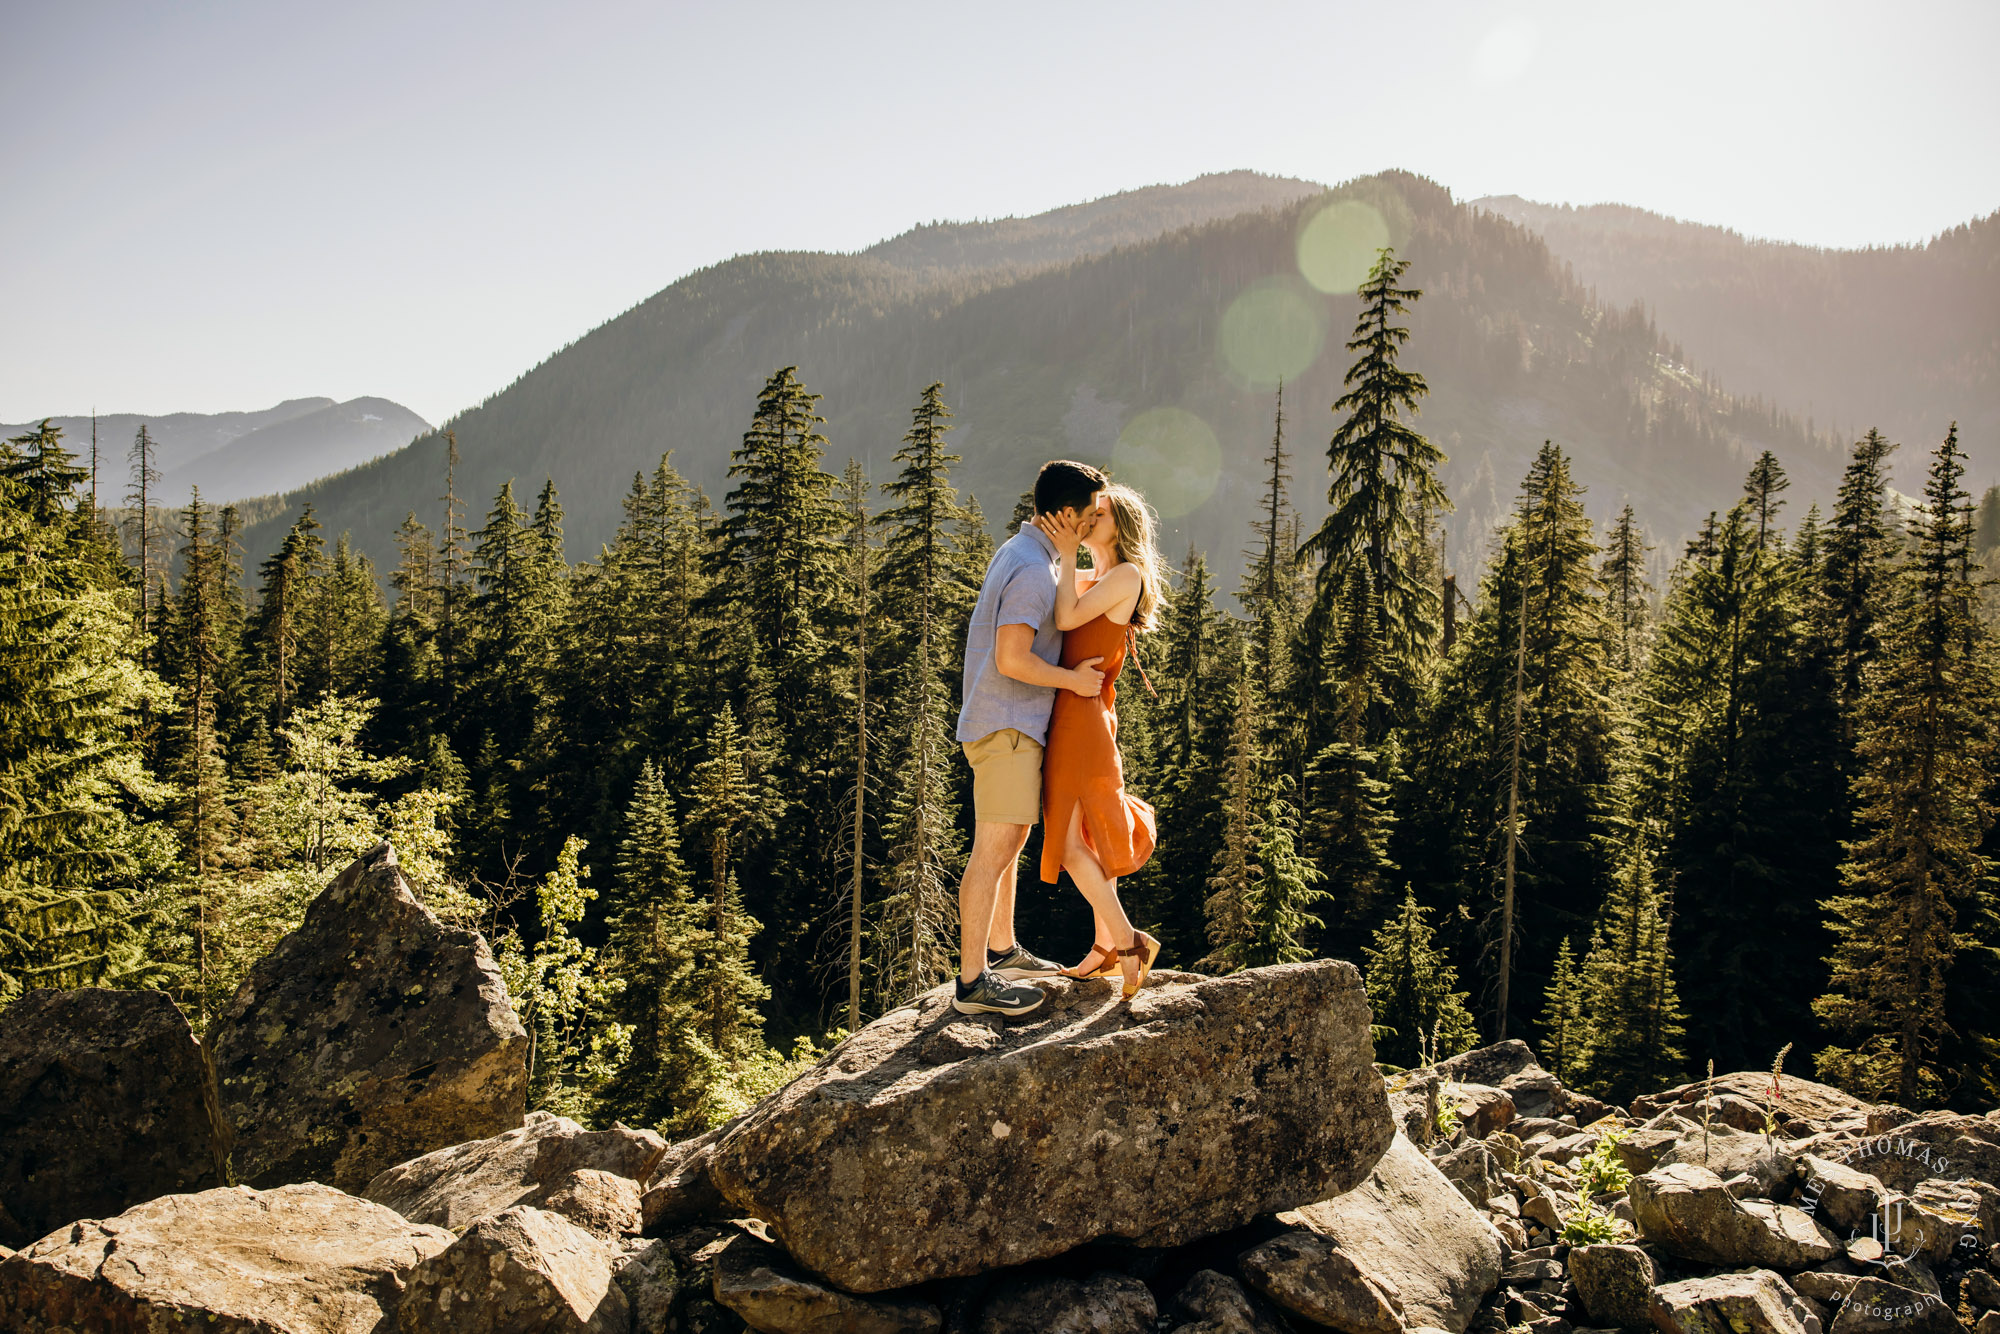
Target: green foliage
(1565, 1025)
(1588, 1225)
(1413, 989)
(1634, 1035)
(1601, 1171)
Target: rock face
(902, 1157)
(1410, 1231)
(523, 1271)
(680, 1189)
(106, 1104)
(370, 1035)
(301, 1259)
(1801, 1100)
(1615, 1283)
(455, 1187)
(757, 1282)
(1689, 1212)
(1874, 1305)
(1311, 1277)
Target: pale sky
(213, 207)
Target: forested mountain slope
(1061, 360)
(1904, 338)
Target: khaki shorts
(1006, 777)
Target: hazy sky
(217, 206)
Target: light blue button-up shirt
(1020, 589)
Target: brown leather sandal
(1109, 966)
(1148, 949)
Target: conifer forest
(700, 789)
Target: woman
(1091, 826)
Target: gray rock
(1838, 1195)
(1981, 1289)
(303, 1259)
(1511, 1067)
(1816, 1105)
(1772, 1168)
(369, 1036)
(458, 1186)
(522, 1271)
(1875, 1305)
(107, 1104)
(680, 1190)
(646, 1272)
(1754, 1301)
(1615, 1284)
(759, 1283)
(1641, 1150)
(1104, 1303)
(1217, 1304)
(1688, 1212)
(1474, 1171)
(1568, 1148)
(1482, 1109)
(1311, 1277)
(1826, 1286)
(1200, 1105)
(1988, 1324)
(601, 1203)
(1411, 1232)
(1936, 1144)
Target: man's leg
(989, 873)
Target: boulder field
(1221, 1156)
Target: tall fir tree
(1857, 567)
(1767, 478)
(1927, 744)
(1565, 1016)
(1414, 991)
(1636, 1028)
(1623, 575)
(278, 627)
(144, 526)
(729, 808)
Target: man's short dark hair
(1062, 484)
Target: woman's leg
(1114, 928)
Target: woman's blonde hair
(1132, 520)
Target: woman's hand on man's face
(1064, 529)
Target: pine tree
(1636, 1026)
(1623, 576)
(926, 586)
(343, 620)
(1237, 867)
(656, 939)
(728, 807)
(1928, 747)
(1986, 531)
(1857, 568)
(1413, 989)
(1767, 478)
(143, 458)
(1565, 1016)
(1384, 480)
(1283, 897)
(451, 580)
(278, 627)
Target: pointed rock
(522, 1271)
(456, 1187)
(370, 1035)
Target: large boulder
(370, 1035)
(1511, 1067)
(1764, 1160)
(522, 1271)
(1615, 1283)
(1216, 1304)
(1753, 1301)
(930, 1145)
(1875, 1306)
(455, 1187)
(1811, 1106)
(303, 1259)
(1311, 1277)
(1689, 1212)
(1946, 1145)
(104, 1102)
(1410, 1230)
(680, 1190)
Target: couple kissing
(1038, 725)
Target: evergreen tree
(278, 627)
(1927, 744)
(1284, 894)
(1857, 569)
(1623, 575)
(71, 689)
(1986, 530)
(340, 644)
(728, 807)
(656, 939)
(926, 587)
(1384, 480)
(1634, 1038)
(1767, 478)
(143, 459)
(1413, 989)
(1237, 867)
(1565, 1016)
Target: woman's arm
(1114, 594)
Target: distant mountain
(1905, 338)
(1082, 230)
(1074, 357)
(238, 455)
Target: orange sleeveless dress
(1080, 764)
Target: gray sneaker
(990, 995)
(1017, 963)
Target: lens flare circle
(1337, 245)
(1172, 456)
(1270, 332)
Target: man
(1011, 678)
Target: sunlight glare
(1270, 332)
(1337, 246)
(1172, 455)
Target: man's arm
(1013, 655)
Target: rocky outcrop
(1800, 1107)
(303, 1259)
(1203, 1103)
(1615, 1283)
(759, 1283)
(535, 1163)
(106, 1104)
(1311, 1277)
(1407, 1230)
(370, 1035)
(522, 1271)
(680, 1190)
